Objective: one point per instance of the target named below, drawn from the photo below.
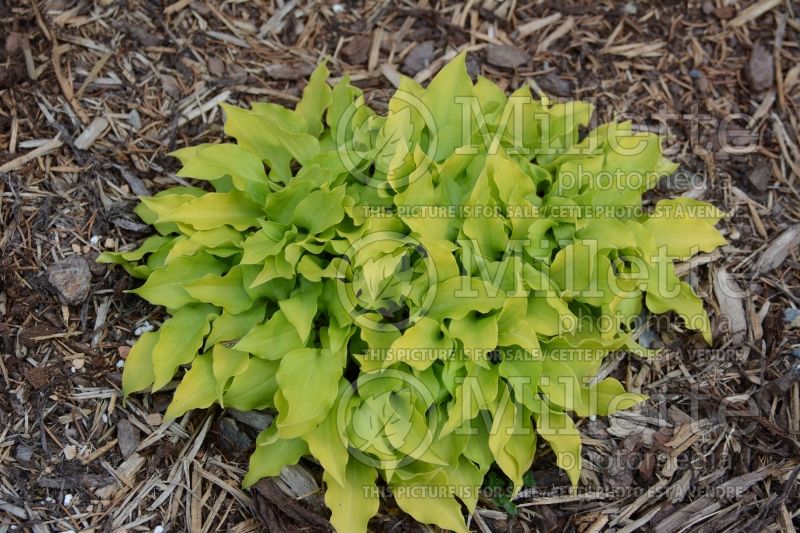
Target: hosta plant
(417, 295)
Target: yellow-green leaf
(512, 439)
(227, 364)
(225, 291)
(271, 340)
(179, 340)
(607, 397)
(558, 429)
(270, 457)
(309, 380)
(166, 285)
(215, 209)
(254, 389)
(197, 389)
(426, 504)
(354, 500)
(138, 374)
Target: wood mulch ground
(94, 94)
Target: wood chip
(730, 298)
(761, 68)
(92, 132)
(128, 438)
(779, 250)
(44, 149)
(558, 33)
(534, 25)
(753, 12)
(375, 50)
(506, 56)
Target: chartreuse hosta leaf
(512, 439)
(179, 340)
(351, 500)
(308, 381)
(214, 161)
(559, 431)
(418, 297)
(254, 388)
(197, 389)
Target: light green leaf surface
(308, 379)
(354, 500)
(179, 341)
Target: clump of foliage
(417, 295)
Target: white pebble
(143, 328)
(592, 418)
(120, 363)
(158, 529)
(67, 499)
(338, 8)
(104, 418)
(95, 239)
